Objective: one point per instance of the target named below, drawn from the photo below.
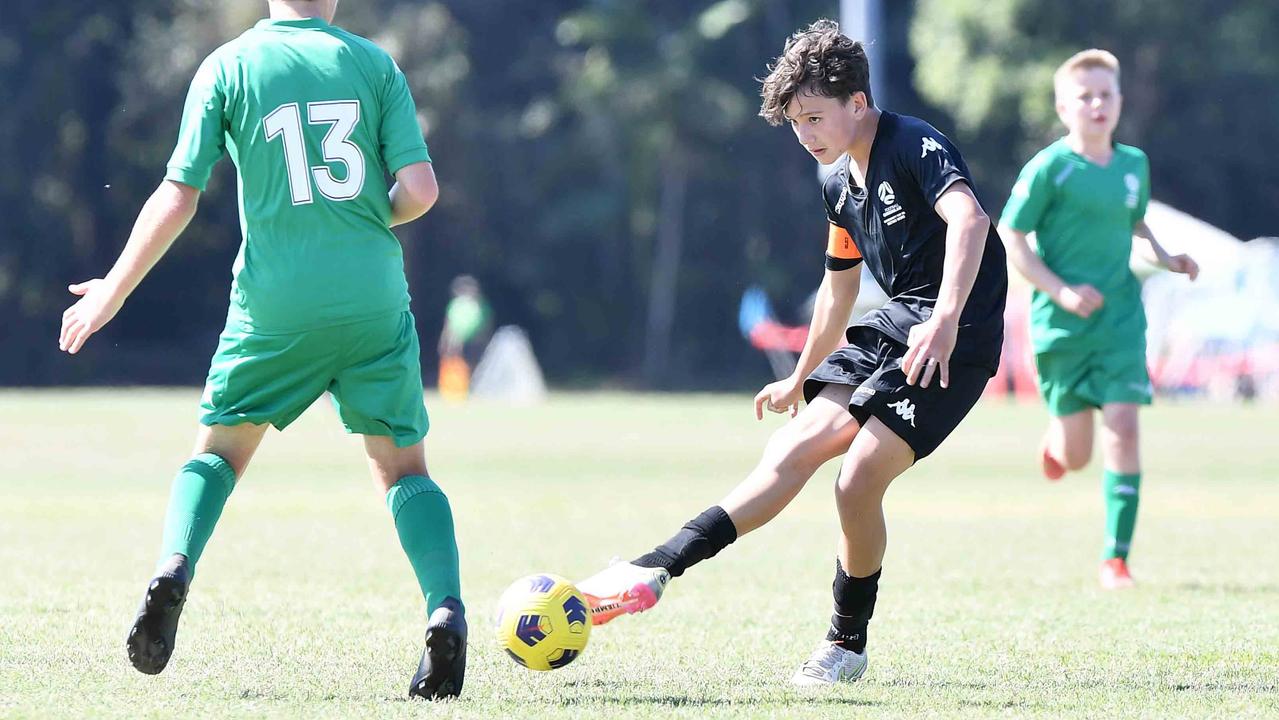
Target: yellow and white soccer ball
(543, 622)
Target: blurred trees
(603, 172)
(1200, 83)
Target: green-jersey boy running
(314, 118)
(1085, 199)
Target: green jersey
(1083, 217)
(314, 119)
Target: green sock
(1122, 493)
(199, 493)
(425, 526)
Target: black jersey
(903, 239)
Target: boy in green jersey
(1085, 199)
(314, 118)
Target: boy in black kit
(902, 201)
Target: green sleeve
(202, 137)
(401, 139)
(1030, 197)
(1143, 196)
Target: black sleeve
(934, 163)
(832, 190)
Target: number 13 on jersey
(341, 116)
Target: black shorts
(922, 416)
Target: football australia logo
(893, 213)
(886, 194)
(1134, 186)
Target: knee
(1121, 429)
(857, 491)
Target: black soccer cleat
(150, 641)
(443, 666)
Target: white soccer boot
(622, 589)
(830, 664)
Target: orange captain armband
(840, 244)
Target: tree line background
(603, 172)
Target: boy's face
(825, 126)
(1088, 102)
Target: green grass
(304, 606)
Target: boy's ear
(858, 100)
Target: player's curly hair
(817, 60)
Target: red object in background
(770, 335)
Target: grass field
(304, 606)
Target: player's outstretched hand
(1185, 265)
(779, 397)
(98, 303)
(1082, 300)
(928, 349)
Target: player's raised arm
(931, 342)
(414, 192)
(164, 216)
(831, 308)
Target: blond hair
(1087, 60)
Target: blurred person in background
(468, 324)
(1085, 197)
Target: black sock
(700, 538)
(175, 567)
(854, 604)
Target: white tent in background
(1221, 333)
(508, 370)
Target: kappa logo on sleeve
(930, 144)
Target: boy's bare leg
(424, 523)
(389, 463)
(1120, 437)
(235, 444)
(822, 431)
(876, 458)
(1067, 444)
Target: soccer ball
(543, 622)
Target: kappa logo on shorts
(905, 409)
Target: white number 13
(341, 116)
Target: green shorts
(1074, 380)
(371, 369)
